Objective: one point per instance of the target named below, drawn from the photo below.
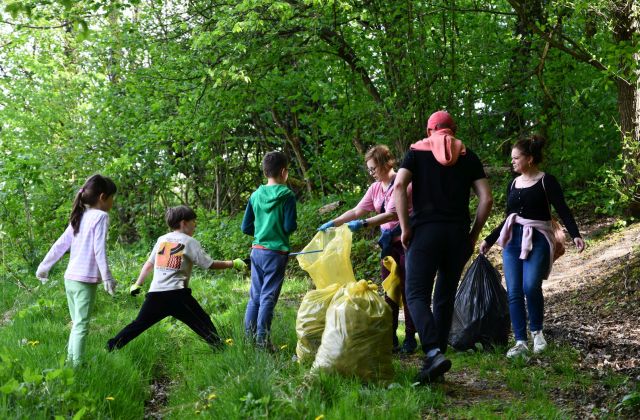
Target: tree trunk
(293, 139)
(625, 25)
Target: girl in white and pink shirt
(86, 239)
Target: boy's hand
(135, 290)
(326, 226)
(110, 286)
(239, 265)
(355, 225)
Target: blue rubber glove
(355, 225)
(326, 226)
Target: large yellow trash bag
(357, 335)
(333, 264)
(310, 321)
(391, 284)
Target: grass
(242, 382)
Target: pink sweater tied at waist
(542, 226)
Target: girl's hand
(42, 276)
(110, 286)
(484, 248)
(579, 243)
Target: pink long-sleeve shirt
(88, 259)
(376, 196)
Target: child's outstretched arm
(58, 249)
(237, 264)
(135, 288)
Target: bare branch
(22, 25)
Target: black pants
(441, 248)
(396, 251)
(179, 304)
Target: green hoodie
(271, 217)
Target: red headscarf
(444, 146)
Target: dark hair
(88, 195)
(174, 215)
(381, 156)
(273, 163)
(531, 146)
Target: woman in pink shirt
(86, 239)
(379, 199)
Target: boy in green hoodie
(270, 217)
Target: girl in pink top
(86, 239)
(379, 199)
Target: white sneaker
(539, 343)
(520, 349)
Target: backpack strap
(546, 196)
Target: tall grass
(240, 381)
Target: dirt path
(575, 269)
(593, 302)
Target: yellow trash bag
(391, 284)
(357, 335)
(310, 321)
(333, 264)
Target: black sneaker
(409, 345)
(433, 368)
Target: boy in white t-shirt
(171, 260)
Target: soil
(592, 302)
(155, 406)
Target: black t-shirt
(531, 203)
(441, 193)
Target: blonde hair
(381, 156)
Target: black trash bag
(481, 311)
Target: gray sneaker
(539, 343)
(520, 349)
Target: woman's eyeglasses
(371, 170)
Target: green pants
(80, 298)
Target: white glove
(110, 286)
(42, 276)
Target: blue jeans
(524, 279)
(267, 276)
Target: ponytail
(77, 210)
(88, 196)
(531, 146)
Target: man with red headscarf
(439, 237)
